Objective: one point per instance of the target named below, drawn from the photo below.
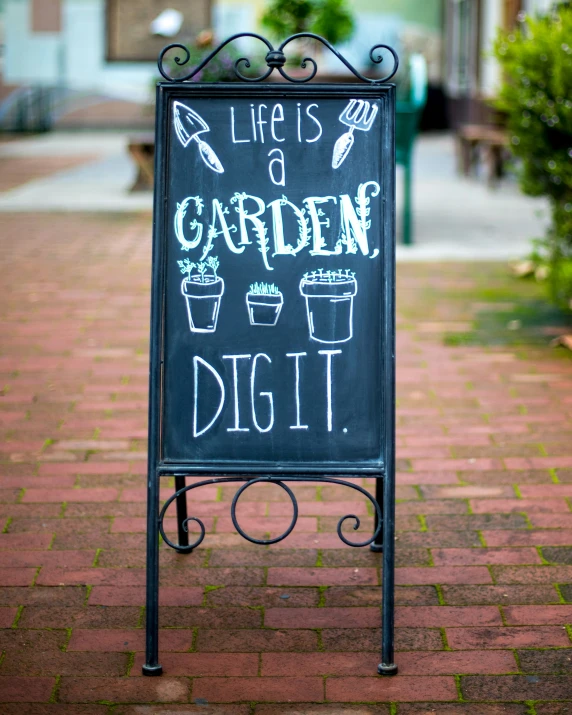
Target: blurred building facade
(106, 45)
(105, 48)
(471, 74)
(95, 45)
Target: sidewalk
(484, 518)
(455, 218)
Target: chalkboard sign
(273, 278)
(272, 311)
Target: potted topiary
(264, 302)
(329, 304)
(332, 19)
(203, 290)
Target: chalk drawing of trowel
(356, 115)
(188, 125)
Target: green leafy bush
(536, 97)
(331, 19)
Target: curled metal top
(276, 59)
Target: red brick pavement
(484, 616)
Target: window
(46, 15)
(128, 21)
(462, 55)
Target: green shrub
(536, 96)
(330, 18)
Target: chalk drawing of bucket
(329, 305)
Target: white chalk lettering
(244, 216)
(277, 116)
(234, 139)
(220, 211)
(253, 121)
(268, 395)
(319, 134)
(180, 214)
(261, 122)
(319, 244)
(328, 354)
(315, 221)
(234, 358)
(259, 226)
(297, 356)
(281, 248)
(363, 208)
(196, 362)
(280, 161)
(253, 380)
(354, 229)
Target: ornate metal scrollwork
(276, 59)
(280, 481)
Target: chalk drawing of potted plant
(264, 302)
(329, 304)
(203, 290)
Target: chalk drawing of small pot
(203, 303)
(202, 289)
(264, 302)
(329, 304)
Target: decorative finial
(275, 59)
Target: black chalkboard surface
(273, 278)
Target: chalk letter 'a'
(196, 361)
(219, 212)
(280, 161)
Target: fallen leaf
(562, 340)
(522, 269)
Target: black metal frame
(249, 473)
(276, 59)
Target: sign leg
(151, 666)
(182, 513)
(387, 665)
(377, 545)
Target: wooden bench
(142, 149)
(494, 142)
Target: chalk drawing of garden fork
(356, 115)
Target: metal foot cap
(377, 548)
(152, 670)
(387, 669)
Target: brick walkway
(484, 515)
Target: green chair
(408, 115)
